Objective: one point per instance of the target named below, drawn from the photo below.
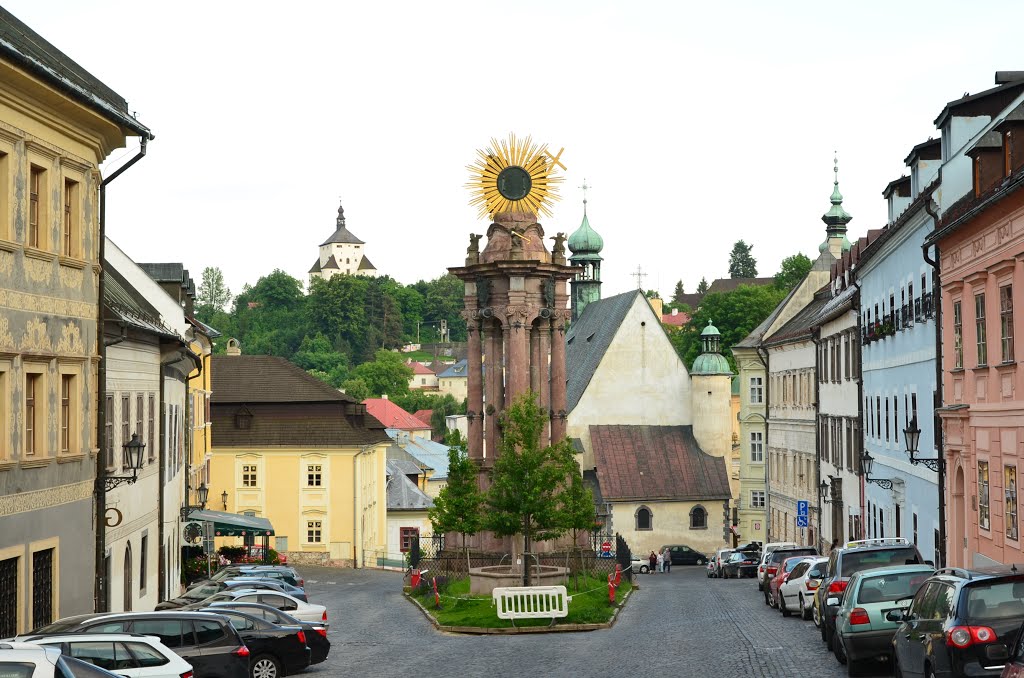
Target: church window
(698, 518)
(756, 390)
(644, 519)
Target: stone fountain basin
(483, 580)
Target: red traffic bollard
(611, 588)
(415, 579)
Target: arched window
(127, 578)
(698, 518)
(644, 519)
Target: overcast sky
(696, 124)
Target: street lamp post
(912, 436)
(224, 499)
(133, 460)
(825, 490)
(868, 463)
(202, 493)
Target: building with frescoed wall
(58, 123)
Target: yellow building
(57, 124)
(289, 448)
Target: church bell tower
(585, 245)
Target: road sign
(801, 521)
(801, 507)
(606, 547)
(757, 525)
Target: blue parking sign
(801, 521)
(801, 508)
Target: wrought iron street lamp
(202, 493)
(912, 435)
(824, 489)
(132, 459)
(224, 499)
(867, 463)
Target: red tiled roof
(656, 462)
(393, 416)
(424, 416)
(419, 368)
(678, 320)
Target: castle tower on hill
(342, 254)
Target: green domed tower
(585, 245)
(710, 361)
(711, 391)
(836, 220)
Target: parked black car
(205, 640)
(276, 650)
(684, 555)
(774, 559)
(741, 564)
(961, 623)
(316, 634)
(853, 557)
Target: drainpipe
(357, 532)
(99, 589)
(937, 399)
(816, 340)
(762, 355)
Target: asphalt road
(676, 625)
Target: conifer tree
(677, 295)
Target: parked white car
(767, 551)
(28, 660)
(797, 592)
(302, 611)
(126, 654)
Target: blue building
(901, 498)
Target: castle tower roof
(585, 243)
(836, 218)
(342, 234)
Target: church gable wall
(640, 380)
(670, 524)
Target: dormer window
(243, 419)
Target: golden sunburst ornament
(515, 175)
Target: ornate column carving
(559, 319)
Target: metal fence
(431, 555)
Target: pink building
(980, 241)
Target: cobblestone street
(681, 624)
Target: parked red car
(785, 567)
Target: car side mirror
(930, 563)
(833, 601)
(895, 615)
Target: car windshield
(854, 561)
(219, 597)
(779, 555)
(998, 600)
(61, 626)
(724, 555)
(886, 588)
(790, 564)
(740, 557)
(202, 592)
(16, 669)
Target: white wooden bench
(531, 602)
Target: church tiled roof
(644, 463)
(393, 416)
(332, 263)
(316, 266)
(589, 337)
(365, 265)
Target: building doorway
(958, 551)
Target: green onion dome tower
(585, 245)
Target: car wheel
(837, 648)
(265, 666)
(805, 614)
(821, 627)
(702, 561)
(760, 586)
(782, 605)
(766, 598)
(644, 569)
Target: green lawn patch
(589, 605)
(419, 356)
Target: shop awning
(234, 524)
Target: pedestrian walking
(666, 558)
(653, 560)
(834, 546)
(661, 562)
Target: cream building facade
(289, 448)
(58, 123)
(342, 254)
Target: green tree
(702, 288)
(387, 374)
(356, 388)
(527, 480)
(734, 313)
(742, 264)
(652, 294)
(443, 300)
(793, 270)
(577, 508)
(677, 295)
(458, 506)
(269, 317)
(441, 406)
(213, 294)
(337, 309)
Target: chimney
(384, 396)
(234, 348)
